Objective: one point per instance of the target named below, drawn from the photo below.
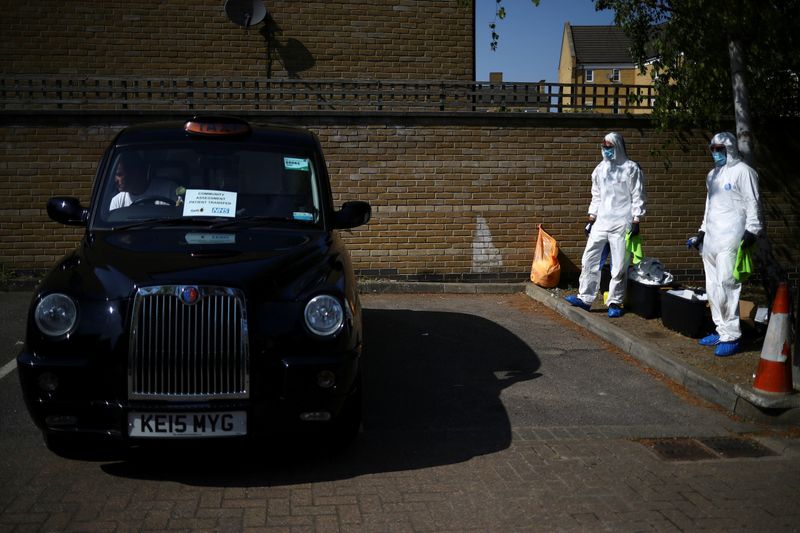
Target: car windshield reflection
(232, 184)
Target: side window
(589, 75)
(129, 177)
(615, 75)
(110, 190)
(299, 184)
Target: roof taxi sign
(216, 126)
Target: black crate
(642, 299)
(605, 278)
(688, 317)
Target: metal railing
(244, 94)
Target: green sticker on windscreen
(295, 163)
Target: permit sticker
(209, 203)
(295, 163)
(210, 238)
(302, 215)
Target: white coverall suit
(618, 196)
(732, 206)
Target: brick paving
(539, 483)
(512, 472)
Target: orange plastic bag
(545, 270)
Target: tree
(705, 54)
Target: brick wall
(454, 197)
(343, 39)
(463, 200)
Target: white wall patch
(484, 253)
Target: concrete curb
(425, 287)
(768, 401)
(697, 381)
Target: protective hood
(620, 155)
(731, 147)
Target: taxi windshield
(198, 182)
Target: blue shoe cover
(577, 302)
(724, 349)
(615, 312)
(710, 340)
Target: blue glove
(587, 229)
(634, 229)
(696, 241)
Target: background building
(594, 57)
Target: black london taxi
(210, 296)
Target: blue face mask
(608, 153)
(719, 158)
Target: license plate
(176, 425)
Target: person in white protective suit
(618, 204)
(732, 217)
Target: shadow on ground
(432, 397)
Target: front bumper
(291, 394)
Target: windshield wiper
(187, 221)
(256, 219)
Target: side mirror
(67, 210)
(352, 214)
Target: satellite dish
(245, 12)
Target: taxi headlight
(324, 315)
(55, 315)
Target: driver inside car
(133, 185)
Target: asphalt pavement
(780, 410)
(485, 412)
(734, 399)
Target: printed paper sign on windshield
(209, 203)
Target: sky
(530, 36)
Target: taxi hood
(277, 264)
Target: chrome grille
(188, 351)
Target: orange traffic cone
(774, 374)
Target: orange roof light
(216, 127)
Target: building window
(589, 75)
(614, 74)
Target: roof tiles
(601, 45)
